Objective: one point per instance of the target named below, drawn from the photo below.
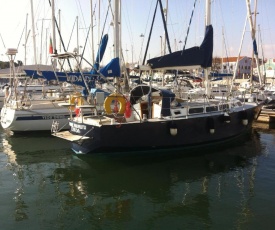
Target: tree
(4, 65)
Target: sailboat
(28, 111)
(152, 118)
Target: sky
(227, 17)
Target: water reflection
(153, 188)
(29, 158)
(160, 190)
(28, 146)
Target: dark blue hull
(156, 134)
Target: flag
(51, 46)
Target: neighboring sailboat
(24, 111)
(28, 111)
(151, 118)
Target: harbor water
(45, 186)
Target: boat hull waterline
(28, 120)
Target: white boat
(31, 111)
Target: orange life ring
(115, 97)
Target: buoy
(226, 117)
(211, 125)
(117, 98)
(244, 118)
(173, 129)
(128, 112)
(77, 111)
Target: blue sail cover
(70, 77)
(189, 57)
(101, 51)
(112, 69)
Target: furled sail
(195, 56)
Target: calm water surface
(45, 186)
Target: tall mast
(33, 33)
(117, 28)
(98, 22)
(165, 15)
(26, 39)
(92, 32)
(253, 35)
(207, 23)
(53, 27)
(59, 21)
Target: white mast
(117, 38)
(164, 40)
(207, 23)
(92, 32)
(53, 27)
(98, 23)
(27, 33)
(253, 35)
(222, 48)
(33, 34)
(117, 28)
(59, 21)
(77, 40)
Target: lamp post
(142, 37)
(180, 43)
(160, 45)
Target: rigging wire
(143, 62)
(224, 38)
(2, 41)
(128, 26)
(226, 51)
(142, 35)
(71, 35)
(20, 38)
(264, 69)
(189, 26)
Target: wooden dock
(267, 116)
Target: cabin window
(211, 109)
(223, 106)
(196, 110)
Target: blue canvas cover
(101, 51)
(112, 69)
(189, 57)
(167, 98)
(70, 77)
